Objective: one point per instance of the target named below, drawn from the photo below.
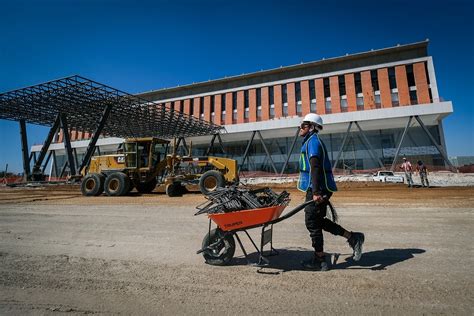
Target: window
(413, 98)
(313, 106)
(234, 100)
(285, 110)
(410, 75)
(298, 91)
(259, 97)
(377, 101)
(360, 103)
(259, 113)
(344, 105)
(284, 93)
(312, 90)
(391, 78)
(191, 106)
(327, 90)
(181, 106)
(272, 112)
(223, 102)
(374, 79)
(328, 106)
(212, 103)
(395, 99)
(426, 73)
(342, 85)
(246, 99)
(246, 114)
(201, 105)
(270, 95)
(357, 82)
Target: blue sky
(138, 46)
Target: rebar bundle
(233, 199)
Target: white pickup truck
(387, 176)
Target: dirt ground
(62, 253)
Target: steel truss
(80, 104)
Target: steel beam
(220, 143)
(441, 151)
(342, 146)
(24, 151)
(369, 147)
(46, 162)
(45, 147)
(400, 144)
(247, 149)
(208, 150)
(268, 153)
(55, 164)
(91, 147)
(67, 144)
(291, 151)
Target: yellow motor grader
(142, 163)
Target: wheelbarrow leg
(242, 247)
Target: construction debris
(232, 199)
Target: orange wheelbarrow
(218, 246)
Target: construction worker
(316, 179)
(407, 168)
(423, 172)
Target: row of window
(374, 79)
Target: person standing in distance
(407, 168)
(317, 180)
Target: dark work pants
(316, 222)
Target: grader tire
(147, 187)
(92, 184)
(222, 252)
(210, 181)
(117, 184)
(174, 189)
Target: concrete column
(252, 105)
(402, 85)
(265, 104)
(177, 106)
(218, 109)
(350, 92)
(384, 86)
(277, 101)
(335, 97)
(240, 107)
(421, 83)
(197, 107)
(320, 100)
(305, 98)
(367, 90)
(228, 108)
(207, 108)
(187, 107)
(291, 99)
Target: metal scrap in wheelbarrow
(235, 210)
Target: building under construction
(377, 106)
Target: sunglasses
(304, 125)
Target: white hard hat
(315, 119)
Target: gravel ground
(63, 253)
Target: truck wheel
(93, 184)
(117, 184)
(210, 181)
(174, 189)
(147, 187)
(222, 247)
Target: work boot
(316, 263)
(356, 241)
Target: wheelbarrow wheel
(221, 247)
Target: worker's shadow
(290, 259)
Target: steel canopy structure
(77, 103)
(84, 101)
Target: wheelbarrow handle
(295, 210)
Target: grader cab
(142, 163)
